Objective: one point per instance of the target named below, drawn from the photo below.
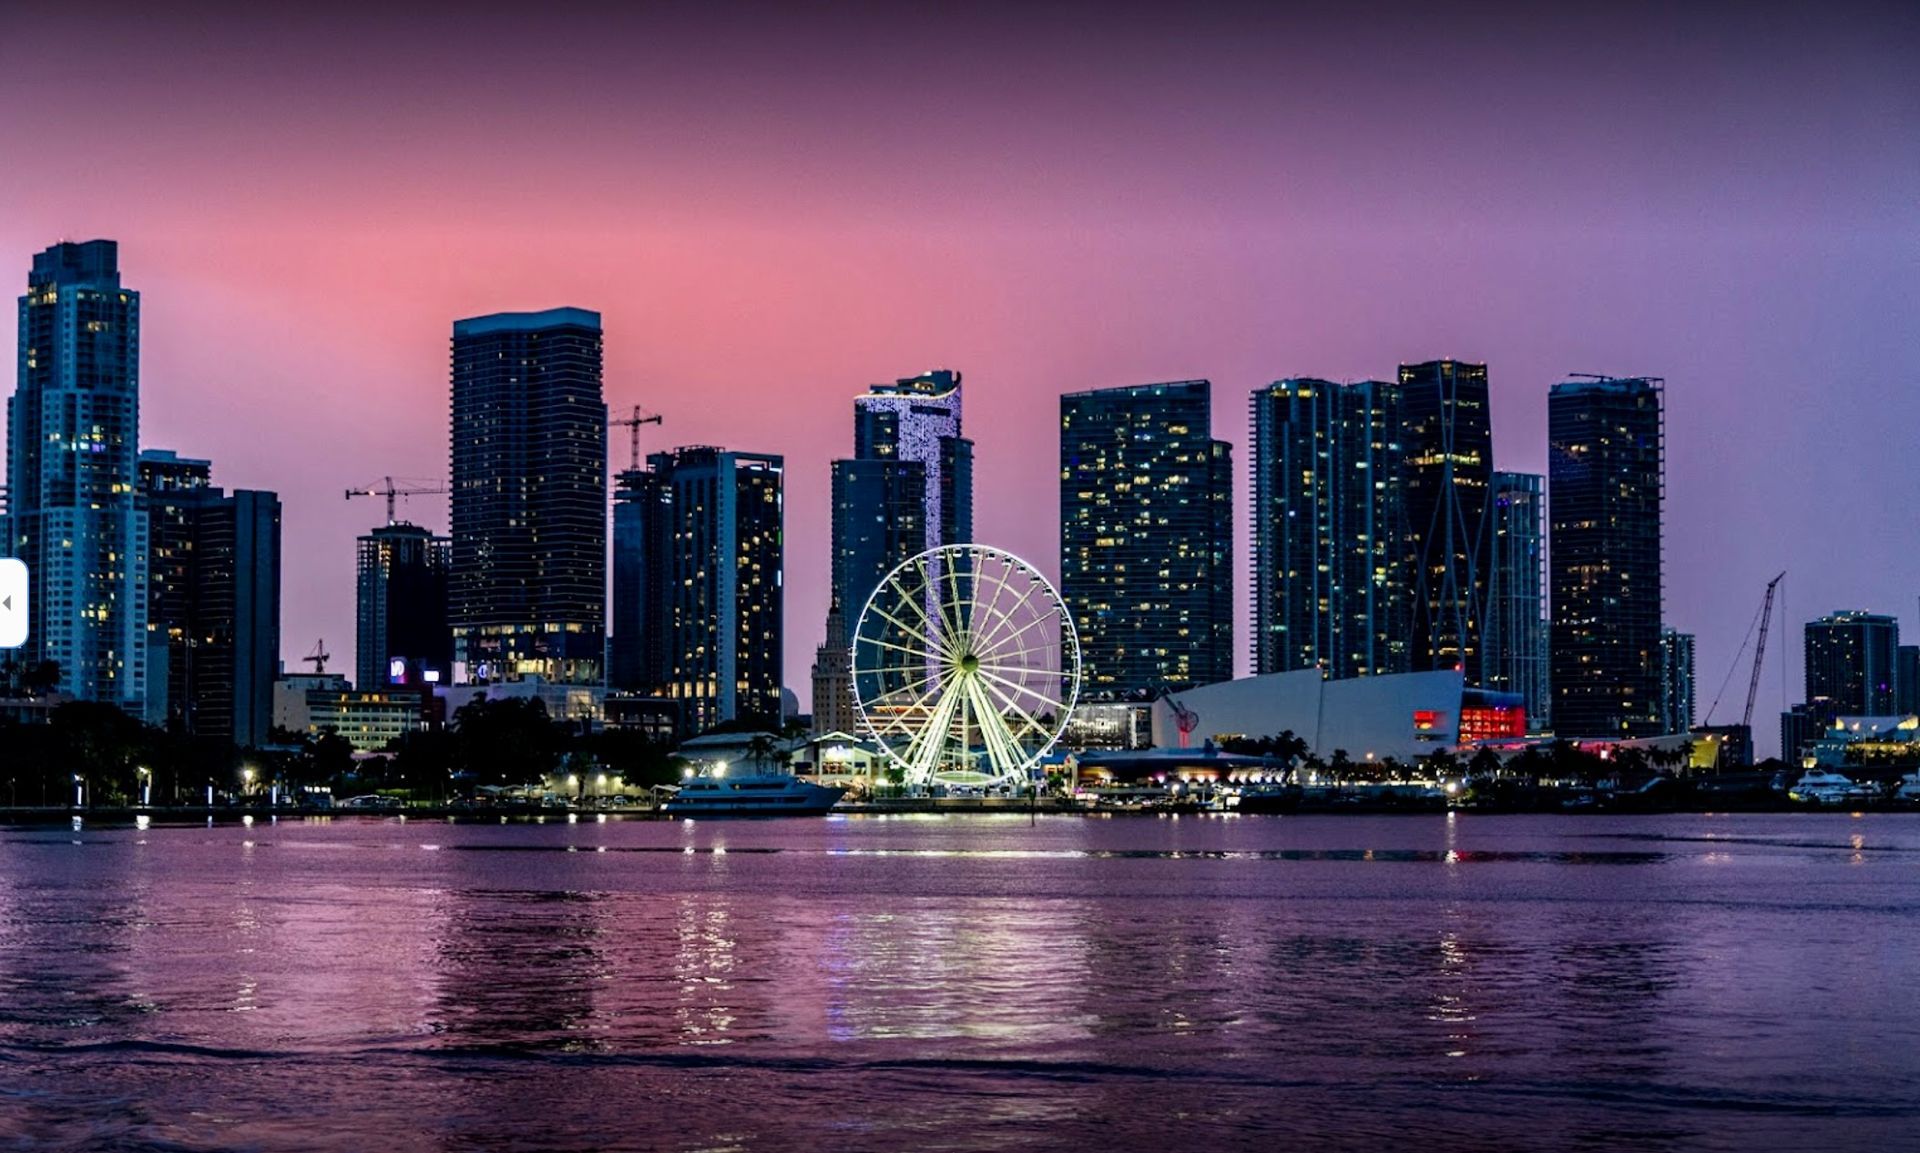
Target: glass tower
(1676, 681)
(74, 509)
(1448, 434)
(1146, 538)
(1330, 559)
(401, 606)
(1606, 471)
(527, 590)
(1852, 663)
(1515, 637)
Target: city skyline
(299, 344)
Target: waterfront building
(1906, 680)
(1606, 471)
(1146, 538)
(213, 600)
(173, 487)
(401, 632)
(1802, 725)
(290, 691)
(1447, 432)
(369, 720)
(907, 488)
(1676, 681)
(74, 512)
(527, 583)
(1723, 748)
(716, 575)
(1851, 661)
(833, 707)
(1515, 637)
(1330, 558)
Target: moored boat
(725, 794)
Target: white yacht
(1820, 787)
(1909, 789)
(721, 793)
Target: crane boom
(390, 491)
(632, 425)
(1760, 649)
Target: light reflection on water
(1667, 983)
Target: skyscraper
(401, 606)
(1606, 471)
(908, 486)
(1330, 560)
(1851, 662)
(1146, 538)
(173, 487)
(1447, 431)
(527, 593)
(642, 533)
(74, 515)
(718, 607)
(1514, 639)
(214, 601)
(1676, 681)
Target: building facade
(1515, 637)
(1606, 470)
(908, 486)
(1146, 538)
(527, 587)
(1330, 549)
(74, 513)
(173, 487)
(401, 607)
(637, 651)
(833, 707)
(1447, 431)
(1851, 662)
(1676, 681)
(719, 615)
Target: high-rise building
(833, 708)
(236, 615)
(1802, 725)
(1330, 560)
(1851, 661)
(1447, 430)
(908, 486)
(1146, 538)
(527, 590)
(1514, 639)
(1676, 681)
(400, 628)
(173, 487)
(1606, 471)
(718, 612)
(641, 536)
(1906, 660)
(214, 601)
(73, 503)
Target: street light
(146, 785)
(246, 781)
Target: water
(966, 983)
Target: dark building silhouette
(1606, 472)
(1146, 538)
(73, 505)
(1676, 683)
(1330, 547)
(642, 534)
(527, 591)
(214, 601)
(1447, 431)
(401, 607)
(1906, 680)
(707, 591)
(1851, 661)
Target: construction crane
(390, 491)
(1760, 649)
(632, 425)
(318, 658)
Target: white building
(1405, 715)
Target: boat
(1909, 789)
(1820, 787)
(724, 794)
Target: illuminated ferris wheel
(966, 667)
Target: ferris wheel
(966, 667)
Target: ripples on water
(971, 982)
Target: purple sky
(772, 212)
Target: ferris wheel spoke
(1040, 731)
(1011, 757)
(1022, 687)
(900, 648)
(999, 589)
(933, 635)
(1023, 599)
(996, 647)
